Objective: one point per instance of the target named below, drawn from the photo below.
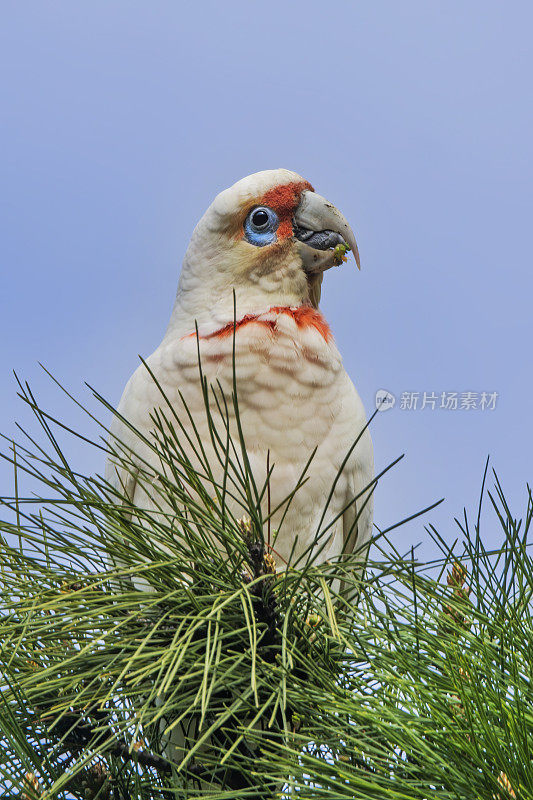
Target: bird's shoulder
(153, 377)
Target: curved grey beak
(320, 227)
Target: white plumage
(294, 394)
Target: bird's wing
(357, 520)
(122, 470)
(121, 479)
(358, 517)
(133, 430)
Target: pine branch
(112, 636)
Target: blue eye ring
(260, 226)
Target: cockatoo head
(269, 238)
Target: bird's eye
(260, 226)
(260, 219)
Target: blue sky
(121, 120)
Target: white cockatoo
(250, 284)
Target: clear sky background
(121, 120)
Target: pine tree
(413, 680)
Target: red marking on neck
(284, 199)
(304, 316)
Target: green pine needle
(121, 627)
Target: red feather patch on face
(283, 200)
